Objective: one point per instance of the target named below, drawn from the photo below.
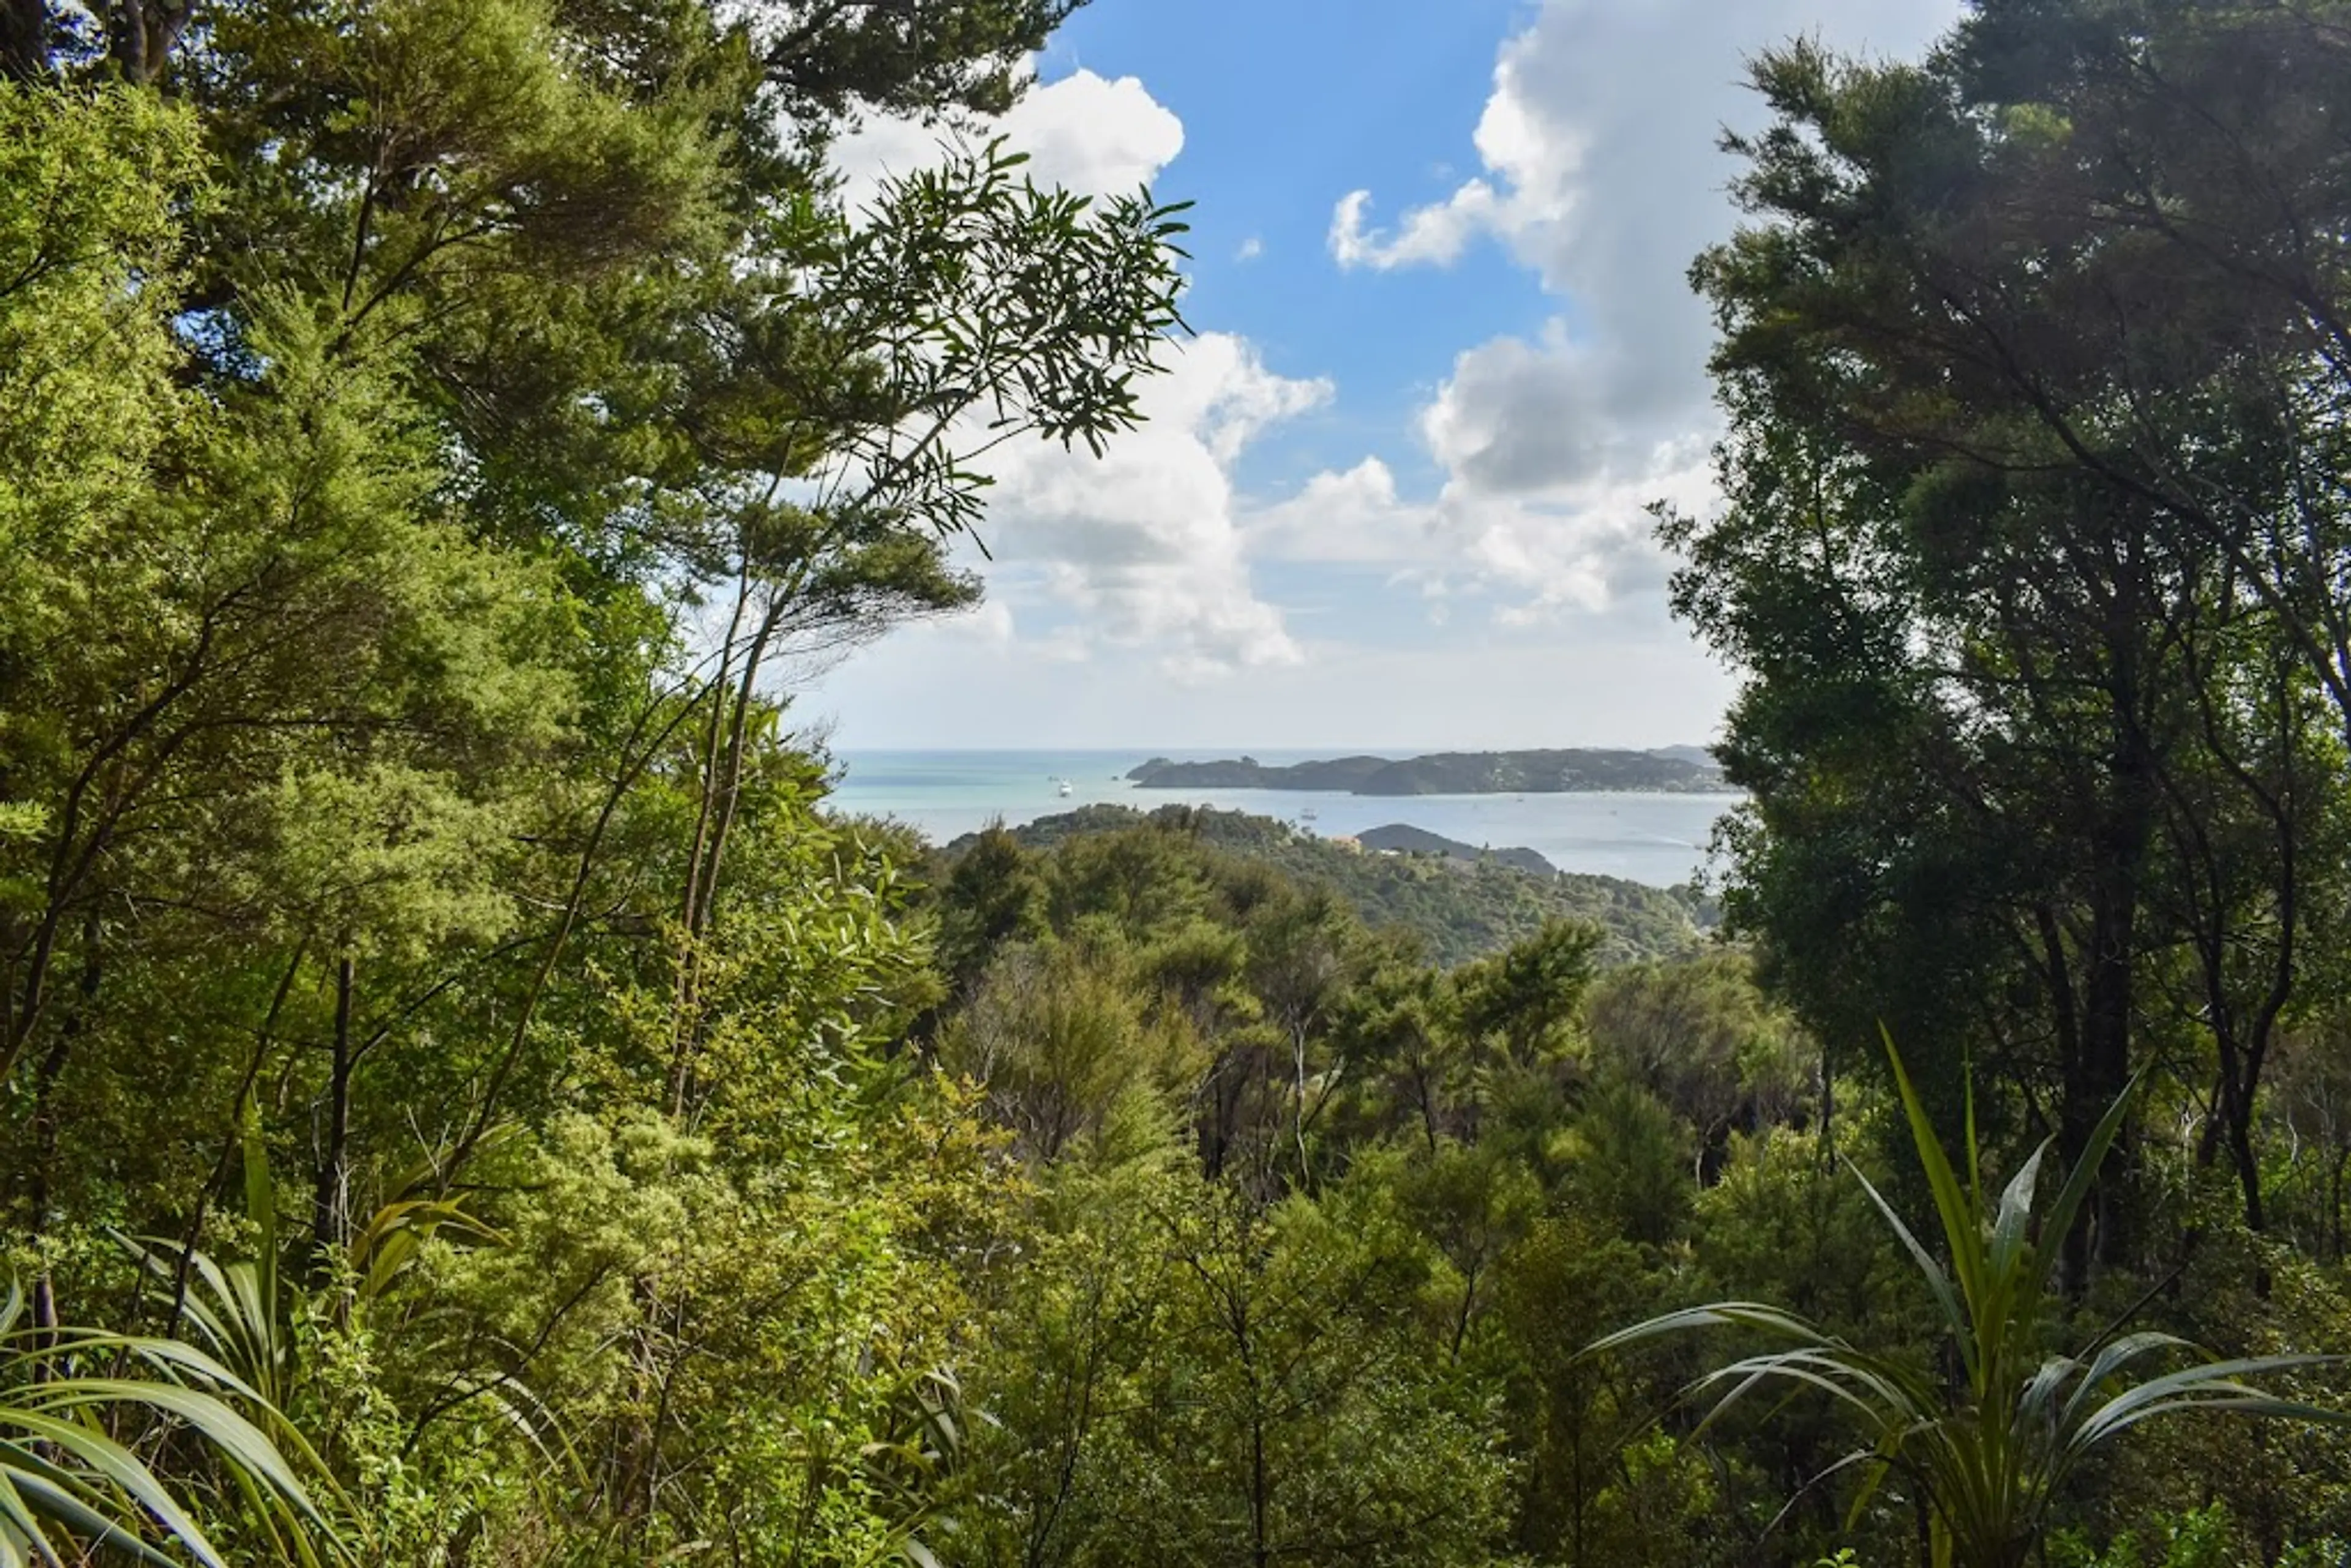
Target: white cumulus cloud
(1601, 174)
(1093, 134)
(1146, 544)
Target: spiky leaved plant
(71, 1493)
(243, 1311)
(1989, 1450)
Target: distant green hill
(1398, 838)
(1678, 769)
(1460, 909)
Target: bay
(1657, 839)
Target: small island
(1671, 771)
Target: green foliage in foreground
(387, 390)
(465, 1103)
(68, 1482)
(1990, 1457)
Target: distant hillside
(1448, 773)
(1461, 909)
(1400, 839)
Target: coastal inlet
(1655, 834)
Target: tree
(1701, 1037)
(2006, 685)
(1276, 1403)
(90, 188)
(447, 392)
(1524, 997)
(392, 390)
(1058, 1043)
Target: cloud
(1145, 546)
(1520, 418)
(1132, 589)
(1598, 138)
(1601, 174)
(1094, 135)
(1573, 547)
(990, 623)
(1353, 518)
(1535, 162)
(1435, 235)
(1251, 249)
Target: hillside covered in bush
(1455, 910)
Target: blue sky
(1285, 104)
(1393, 492)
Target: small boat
(1065, 790)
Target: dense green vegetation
(468, 1104)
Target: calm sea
(1655, 839)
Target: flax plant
(73, 1493)
(1989, 1448)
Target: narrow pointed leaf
(120, 1468)
(1938, 1281)
(2059, 1221)
(1959, 1230)
(2010, 1231)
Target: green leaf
(1960, 1230)
(2059, 1221)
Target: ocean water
(1654, 839)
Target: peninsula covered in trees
(1679, 769)
(1457, 902)
(1403, 839)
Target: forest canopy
(468, 1101)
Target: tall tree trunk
(24, 39)
(2099, 1069)
(1828, 1107)
(722, 792)
(2101, 1073)
(2243, 1032)
(45, 1114)
(2334, 1182)
(331, 1204)
(2249, 1173)
(142, 34)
